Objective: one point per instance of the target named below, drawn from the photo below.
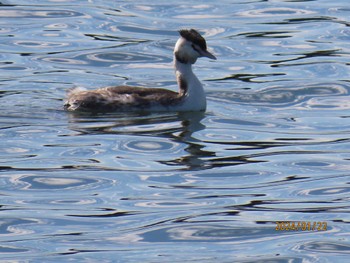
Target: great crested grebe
(191, 97)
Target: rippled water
(195, 187)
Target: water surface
(166, 187)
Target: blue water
(195, 187)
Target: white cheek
(189, 53)
(184, 50)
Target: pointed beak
(206, 53)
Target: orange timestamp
(301, 226)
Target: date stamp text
(301, 226)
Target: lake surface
(273, 145)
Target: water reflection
(182, 149)
(134, 123)
(151, 137)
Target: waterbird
(190, 96)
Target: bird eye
(194, 47)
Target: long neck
(187, 81)
(189, 85)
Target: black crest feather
(193, 36)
